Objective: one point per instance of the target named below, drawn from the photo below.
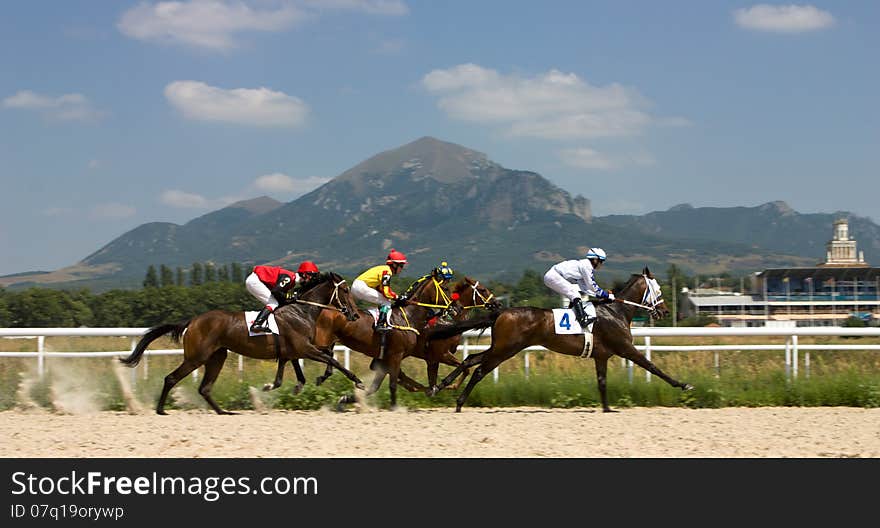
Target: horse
(406, 335)
(467, 294)
(470, 295)
(208, 337)
(514, 329)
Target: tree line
(176, 294)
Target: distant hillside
(435, 201)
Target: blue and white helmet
(596, 253)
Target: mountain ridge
(435, 201)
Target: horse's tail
(444, 331)
(151, 335)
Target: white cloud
(207, 24)
(215, 24)
(245, 106)
(67, 107)
(553, 105)
(586, 158)
(590, 159)
(783, 18)
(112, 210)
(282, 183)
(373, 7)
(184, 200)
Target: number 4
(565, 322)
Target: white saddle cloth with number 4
(565, 322)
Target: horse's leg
(632, 353)
(279, 376)
(212, 370)
(469, 361)
(378, 378)
(409, 383)
(475, 378)
(601, 375)
(327, 371)
(173, 379)
(300, 377)
(433, 369)
(310, 351)
(393, 374)
(450, 359)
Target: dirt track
(441, 433)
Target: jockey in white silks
(572, 278)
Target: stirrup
(261, 329)
(588, 321)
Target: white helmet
(596, 253)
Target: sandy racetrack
(803, 432)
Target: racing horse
(470, 295)
(208, 337)
(514, 329)
(467, 294)
(407, 322)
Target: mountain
(436, 201)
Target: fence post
(717, 364)
(794, 356)
(527, 364)
(240, 366)
(648, 356)
(41, 360)
(464, 347)
(347, 359)
(788, 358)
(495, 374)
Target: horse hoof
(161, 413)
(267, 387)
(297, 388)
(318, 381)
(432, 391)
(227, 413)
(360, 386)
(687, 387)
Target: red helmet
(396, 257)
(307, 267)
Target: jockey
(374, 286)
(571, 278)
(270, 285)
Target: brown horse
(468, 294)
(208, 337)
(407, 335)
(514, 329)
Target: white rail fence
(471, 343)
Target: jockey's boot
(382, 324)
(580, 313)
(260, 323)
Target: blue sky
(114, 114)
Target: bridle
(441, 299)
(335, 298)
(651, 298)
(477, 295)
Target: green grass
(744, 379)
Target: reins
(478, 294)
(333, 297)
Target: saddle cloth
(565, 322)
(249, 320)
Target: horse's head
(469, 293)
(331, 289)
(430, 292)
(652, 297)
(643, 291)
